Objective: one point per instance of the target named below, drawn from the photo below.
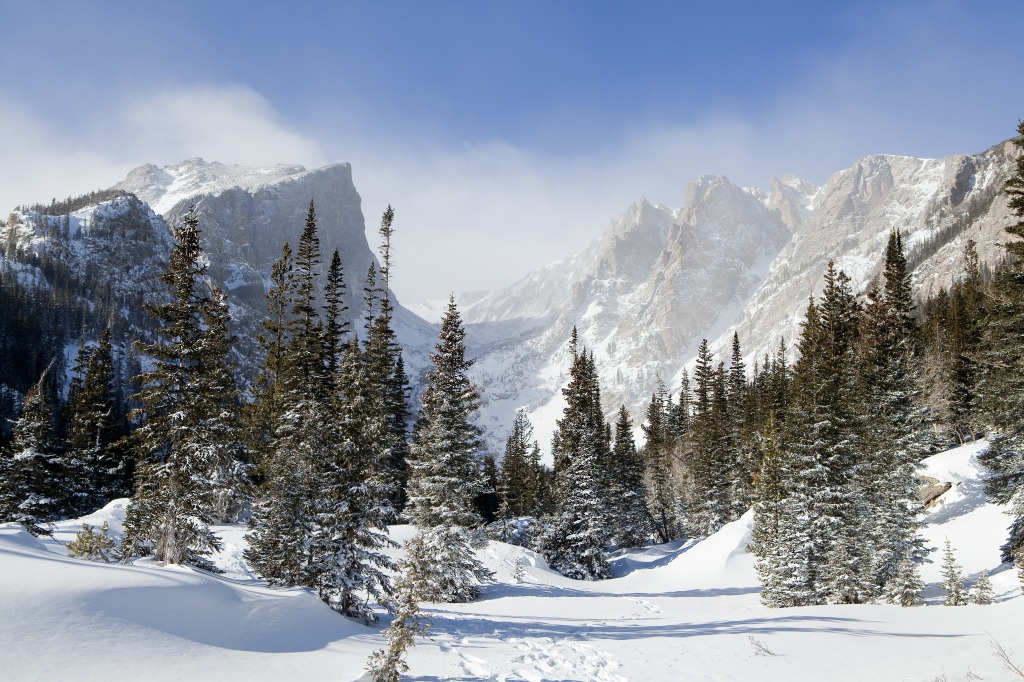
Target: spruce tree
(170, 512)
(322, 516)
(34, 477)
(896, 429)
(387, 369)
(220, 427)
(93, 430)
(981, 592)
(577, 535)
(633, 524)
(904, 588)
(952, 578)
(517, 487)
(444, 474)
(1003, 385)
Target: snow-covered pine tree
(220, 426)
(904, 587)
(517, 486)
(1003, 386)
(387, 369)
(336, 325)
(93, 430)
(409, 622)
(952, 578)
(577, 534)
(896, 436)
(321, 521)
(262, 414)
(633, 525)
(766, 540)
(981, 593)
(666, 430)
(353, 503)
(444, 472)
(34, 477)
(169, 514)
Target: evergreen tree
(444, 472)
(34, 476)
(268, 400)
(219, 429)
(904, 588)
(415, 581)
(766, 539)
(94, 430)
(1003, 385)
(952, 578)
(664, 503)
(981, 593)
(896, 437)
(632, 521)
(169, 514)
(576, 537)
(322, 519)
(387, 369)
(518, 485)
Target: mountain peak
(163, 188)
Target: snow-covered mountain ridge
(246, 216)
(645, 293)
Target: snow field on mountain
(681, 611)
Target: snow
(163, 188)
(681, 611)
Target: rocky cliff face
(641, 296)
(937, 204)
(646, 292)
(246, 215)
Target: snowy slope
(676, 612)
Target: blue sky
(506, 134)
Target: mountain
(645, 293)
(123, 236)
(937, 204)
(641, 296)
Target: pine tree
(93, 430)
(90, 545)
(269, 390)
(904, 588)
(169, 514)
(517, 487)
(220, 428)
(444, 477)
(632, 521)
(766, 539)
(952, 578)
(415, 581)
(1003, 385)
(34, 477)
(981, 593)
(387, 369)
(577, 535)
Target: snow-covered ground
(675, 612)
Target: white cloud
(44, 158)
(480, 215)
(230, 124)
